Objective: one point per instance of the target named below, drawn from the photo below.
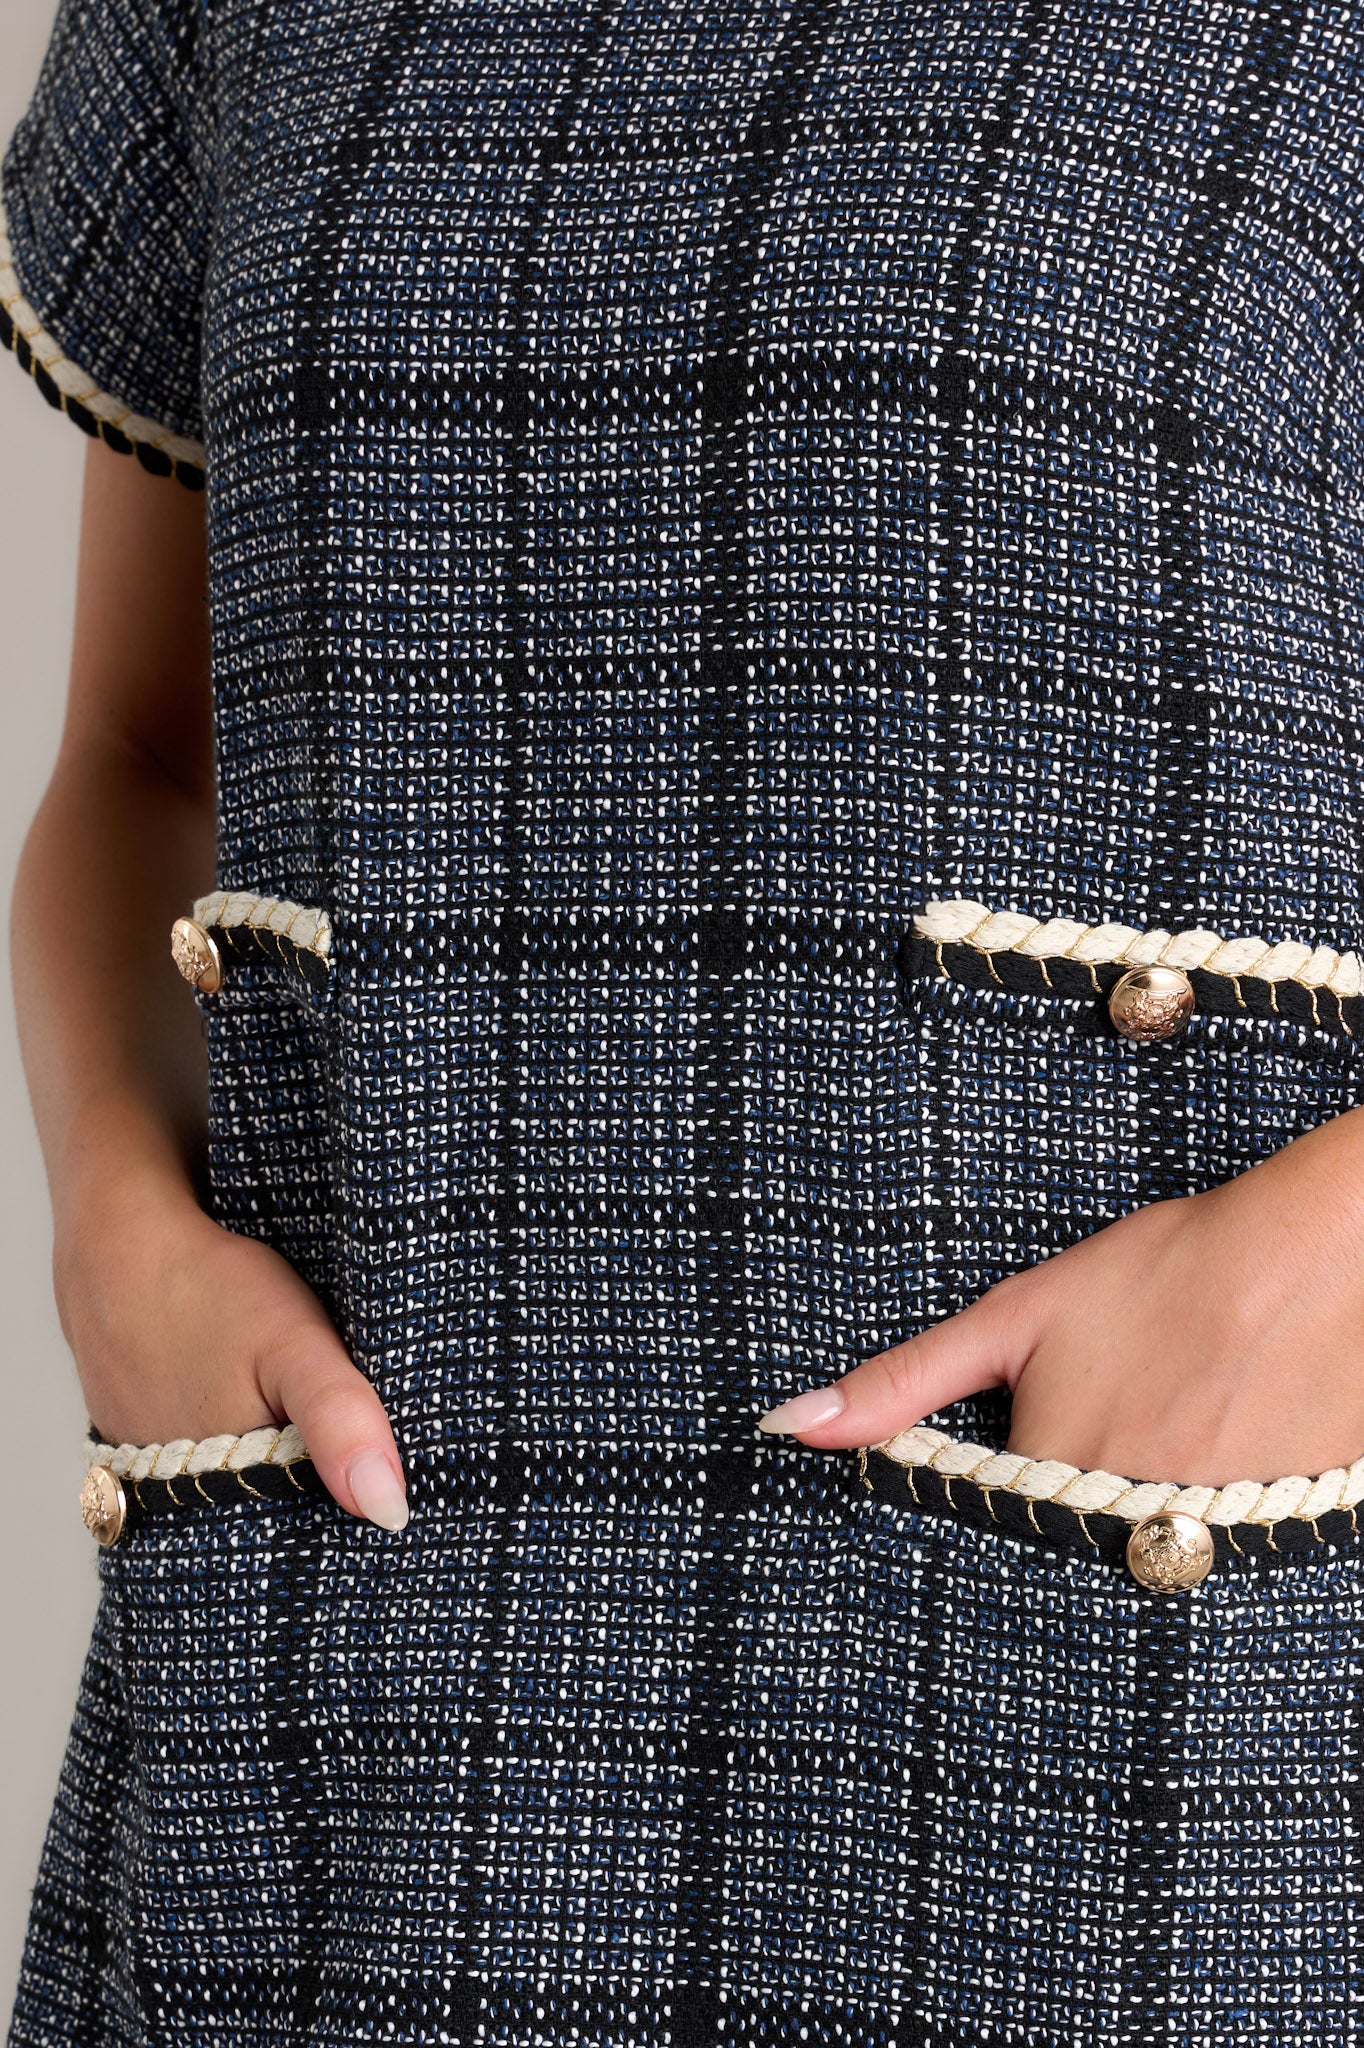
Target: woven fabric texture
(690, 485)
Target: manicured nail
(805, 1411)
(379, 1493)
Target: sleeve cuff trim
(66, 386)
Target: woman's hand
(182, 1329)
(1211, 1338)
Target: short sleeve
(105, 205)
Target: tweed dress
(761, 552)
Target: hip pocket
(203, 1581)
(129, 1485)
(1042, 1077)
(261, 968)
(1162, 1538)
(1119, 1796)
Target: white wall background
(47, 1569)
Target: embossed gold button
(1151, 1002)
(1170, 1552)
(196, 954)
(104, 1505)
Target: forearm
(122, 840)
(121, 844)
(112, 1044)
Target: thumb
(312, 1381)
(986, 1345)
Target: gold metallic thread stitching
(968, 938)
(1011, 1486)
(264, 934)
(240, 1478)
(103, 426)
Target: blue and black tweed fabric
(690, 481)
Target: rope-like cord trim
(1098, 1492)
(957, 921)
(302, 925)
(184, 1458)
(69, 388)
(951, 1458)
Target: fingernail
(806, 1410)
(379, 1493)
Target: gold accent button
(1151, 1002)
(196, 954)
(104, 1505)
(1169, 1553)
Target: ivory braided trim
(302, 924)
(183, 1458)
(1098, 1492)
(956, 921)
(72, 382)
(1034, 1479)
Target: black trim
(718, 943)
(1219, 995)
(1243, 1547)
(154, 460)
(245, 944)
(162, 1499)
